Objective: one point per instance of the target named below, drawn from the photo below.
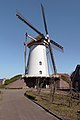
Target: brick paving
(17, 84)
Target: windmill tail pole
(25, 56)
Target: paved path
(14, 106)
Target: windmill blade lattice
(18, 14)
(43, 14)
(57, 45)
(52, 58)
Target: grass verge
(59, 106)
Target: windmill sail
(18, 14)
(40, 40)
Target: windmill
(37, 60)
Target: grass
(8, 81)
(30, 96)
(2, 86)
(65, 79)
(60, 105)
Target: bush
(7, 82)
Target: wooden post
(70, 94)
(52, 89)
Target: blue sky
(63, 21)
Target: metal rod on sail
(31, 37)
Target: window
(40, 72)
(40, 63)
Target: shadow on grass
(32, 97)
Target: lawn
(59, 106)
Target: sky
(63, 22)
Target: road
(15, 106)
